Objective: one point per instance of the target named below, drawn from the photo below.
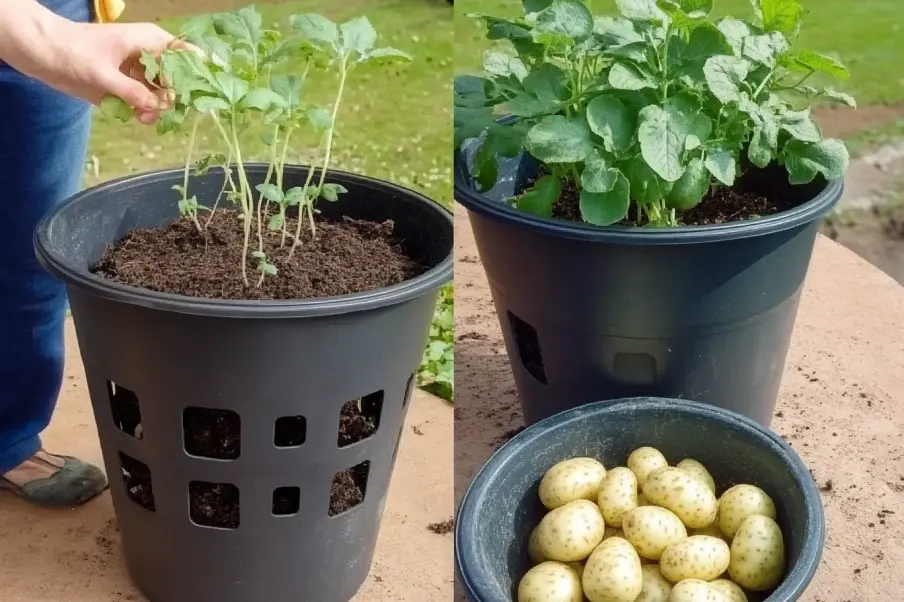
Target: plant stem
(227, 181)
(279, 183)
(192, 213)
(260, 201)
(247, 200)
(343, 73)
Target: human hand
(89, 60)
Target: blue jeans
(43, 143)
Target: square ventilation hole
(213, 504)
(137, 478)
(125, 409)
(349, 488)
(212, 433)
(290, 431)
(360, 419)
(286, 501)
(528, 347)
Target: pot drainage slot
(349, 488)
(286, 501)
(290, 431)
(528, 347)
(213, 504)
(212, 433)
(137, 478)
(360, 419)
(409, 389)
(125, 409)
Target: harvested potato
(550, 582)
(613, 572)
(694, 590)
(698, 557)
(533, 547)
(618, 495)
(757, 554)
(686, 496)
(729, 589)
(645, 460)
(655, 587)
(570, 480)
(651, 529)
(571, 532)
(741, 501)
(695, 469)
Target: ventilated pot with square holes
(589, 313)
(250, 444)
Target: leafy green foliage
(437, 371)
(231, 78)
(654, 106)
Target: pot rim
(792, 586)
(474, 201)
(73, 275)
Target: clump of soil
(442, 528)
(355, 425)
(758, 193)
(346, 256)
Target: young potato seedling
(655, 107)
(234, 76)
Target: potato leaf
(607, 208)
(540, 199)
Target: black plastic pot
(502, 506)
(278, 371)
(588, 313)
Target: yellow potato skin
(550, 582)
(617, 495)
(655, 587)
(696, 469)
(697, 557)
(533, 547)
(613, 572)
(571, 532)
(729, 589)
(570, 480)
(652, 529)
(694, 590)
(741, 501)
(757, 554)
(645, 460)
(686, 496)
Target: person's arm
(84, 60)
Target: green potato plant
(654, 106)
(234, 74)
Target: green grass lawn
(395, 122)
(866, 36)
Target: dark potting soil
(442, 528)
(346, 256)
(757, 194)
(137, 477)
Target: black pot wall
(702, 313)
(282, 370)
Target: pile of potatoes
(650, 532)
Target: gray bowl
(502, 506)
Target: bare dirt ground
(840, 407)
(64, 556)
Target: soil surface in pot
(346, 256)
(757, 194)
(215, 435)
